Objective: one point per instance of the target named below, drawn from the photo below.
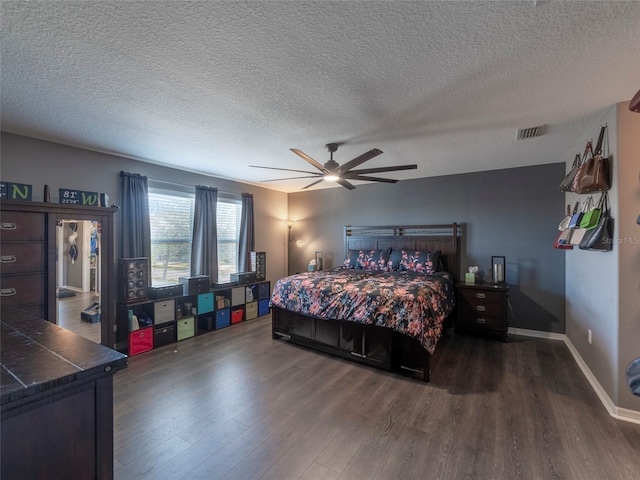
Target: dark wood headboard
(445, 238)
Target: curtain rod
(172, 183)
(239, 195)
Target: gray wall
(511, 212)
(592, 291)
(628, 180)
(603, 289)
(37, 162)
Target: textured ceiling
(213, 87)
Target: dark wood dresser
(56, 387)
(56, 401)
(482, 308)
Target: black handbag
(600, 238)
(567, 184)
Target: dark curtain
(136, 231)
(246, 240)
(204, 247)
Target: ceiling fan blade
(308, 159)
(345, 184)
(361, 159)
(285, 169)
(312, 184)
(292, 178)
(371, 179)
(384, 169)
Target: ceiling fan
(332, 171)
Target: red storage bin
(237, 315)
(140, 341)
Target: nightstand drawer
(480, 296)
(482, 321)
(480, 308)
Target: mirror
(78, 277)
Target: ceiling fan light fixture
(332, 171)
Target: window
(228, 215)
(171, 217)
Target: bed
(386, 306)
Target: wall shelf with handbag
(588, 226)
(591, 172)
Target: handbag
(564, 238)
(594, 175)
(591, 218)
(578, 211)
(578, 236)
(567, 184)
(564, 223)
(586, 156)
(600, 238)
(561, 246)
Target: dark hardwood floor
(235, 404)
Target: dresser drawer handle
(480, 308)
(7, 226)
(481, 321)
(8, 292)
(8, 259)
(480, 295)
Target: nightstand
(482, 308)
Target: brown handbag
(594, 174)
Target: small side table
(482, 308)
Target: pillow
(410, 261)
(352, 259)
(367, 259)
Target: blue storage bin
(223, 318)
(263, 307)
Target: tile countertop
(37, 356)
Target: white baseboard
(624, 414)
(537, 333)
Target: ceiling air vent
(530, 132)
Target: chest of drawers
(30, 263)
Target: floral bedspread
(411, 303)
